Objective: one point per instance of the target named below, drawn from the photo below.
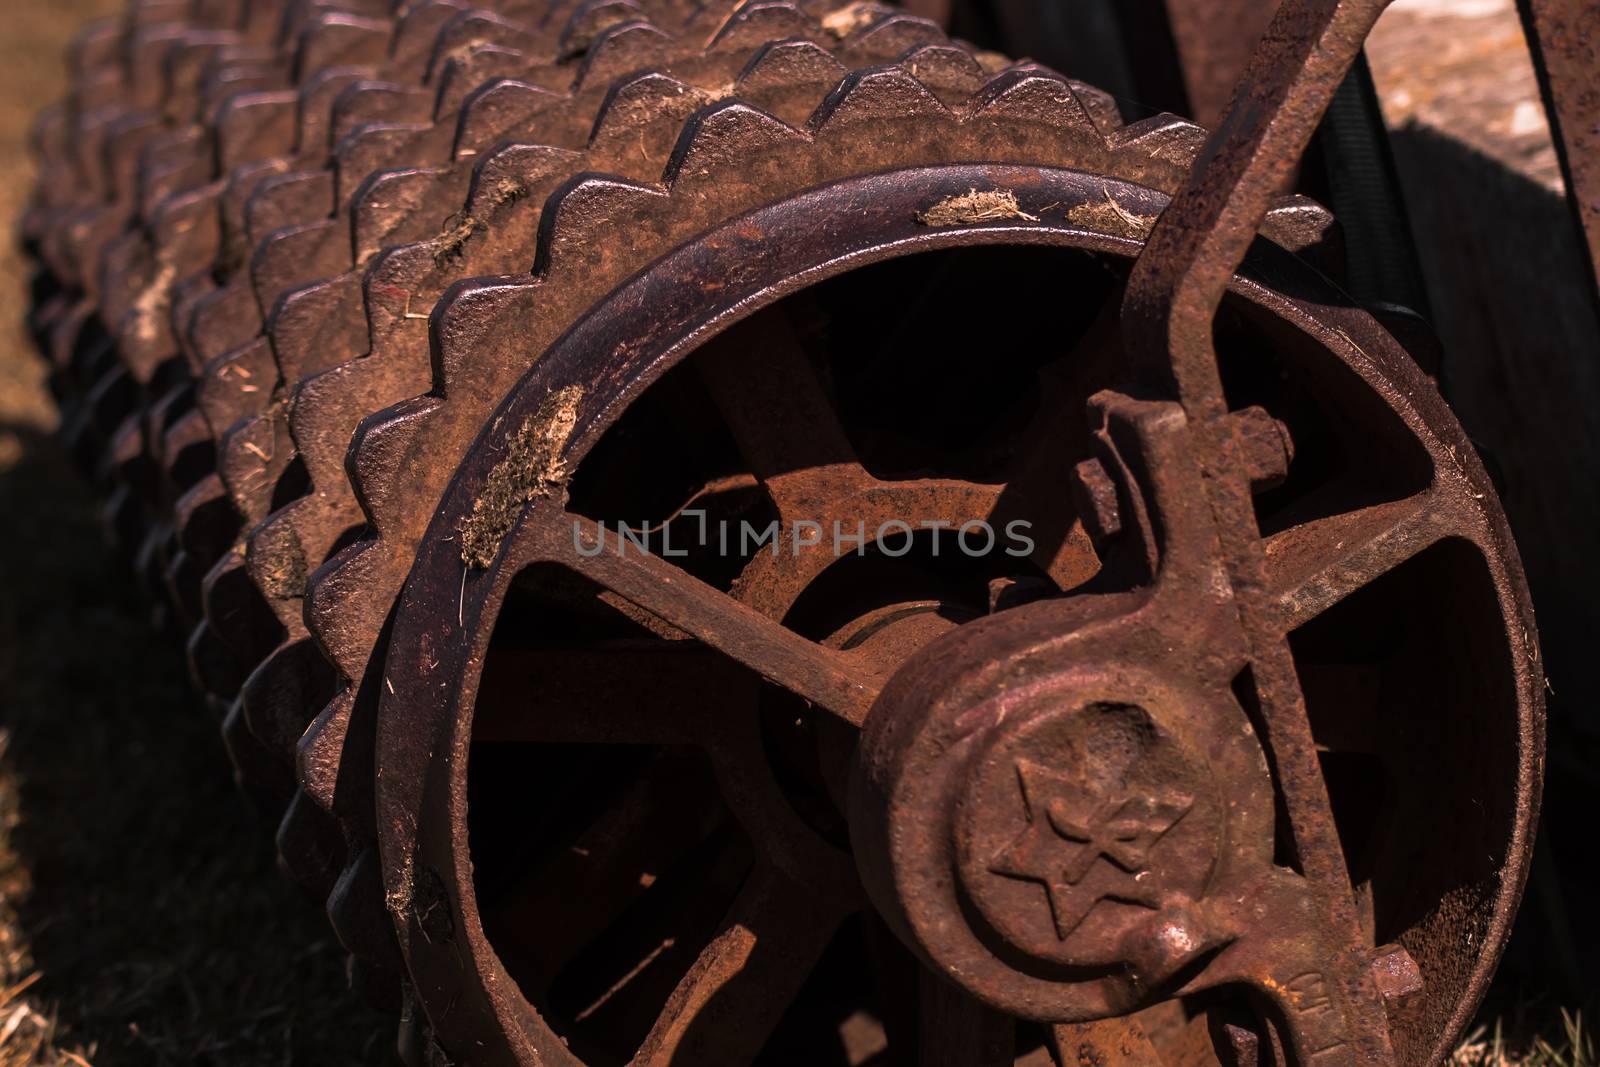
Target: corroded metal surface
(368, 318)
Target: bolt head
(1395, 973)
(1265, 447)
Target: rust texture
(407, 340)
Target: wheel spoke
(780, 416)
(643, 691)
(1312, 567)
(726, 1007)
(837, 682)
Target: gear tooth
(205, 523)
(1164, 137)
(585, 204)
(326, 407)
(472, 29)
(456, 324)
(876, 93)
(239, 186)
(296, 256)
(318, 325)
(368, 102)
(1033, 96)
(513, 172)
(121, 515)
(94, 47)
(236, 385)
(893, 34)
(124, 276)
(188, 295)
(144, 334)
(946, 69)
(277, 562)
(237, 614)
(289, 200)
(186, 442)
(181, 577)
(379, 459)
(150, 564)
(390, 288)
(498, 107)
(787, 78)
(311, 850)
(756, 22)
(1101, 106)
(386, 206)
(356, 911)
(592, 18)
(621, 48)
(283, 694)
(110, 398)
(724, 132)
(318, 96)
(419, 27)
(253, 454)
(126, 443)
(642, 102)
(145, 73)
(319, 756)
(467, 70)
(340, 39)
(257, 775)
(181, 160)
(346, 641)
(384, 145)
(188, 63)
(253, 125)
(48, 140)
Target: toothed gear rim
(198, 131)
(449, 610)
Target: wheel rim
(437, 655)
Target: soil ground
(141, 918)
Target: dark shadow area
(144, 888)
(1518, 325)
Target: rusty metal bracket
(1564, 37)
(1174, 292)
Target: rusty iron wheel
(625, 813)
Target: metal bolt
(1239, 1046)
(1094, 494)
(1265, 446)
(1395, 973)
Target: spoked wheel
(814, 662)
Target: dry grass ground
(141, 920)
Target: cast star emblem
(1071, 827)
